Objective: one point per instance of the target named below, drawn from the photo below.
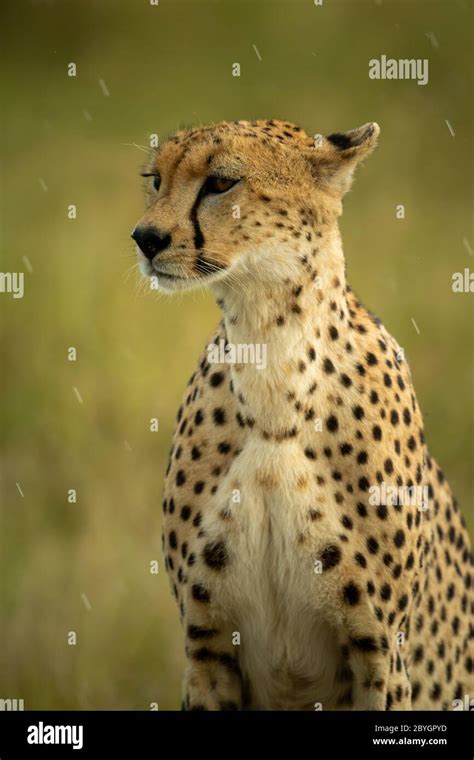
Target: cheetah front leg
(213, 679)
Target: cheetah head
(242, 201)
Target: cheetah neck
(292, 320)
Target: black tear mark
(198, 236)
(202, 265)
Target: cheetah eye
(219, 184)
(156, 179)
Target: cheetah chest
(270, 591)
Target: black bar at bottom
(155, 734)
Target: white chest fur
(270, 589)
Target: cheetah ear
(335, 157)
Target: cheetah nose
(150, 240)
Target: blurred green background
(85, 567)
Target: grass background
(165, 66)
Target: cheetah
(313, 545)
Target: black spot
(418, 654)
(382, 511)
(364, 644)
(185, 513)
(377, 433)
(386, 592)
(199, 593)
(216, 379)
(332, 423)
(215, 555)
(351, 594)
(371, 358)
(180, 478)
(372, 545)
(399, 538)
(328, 366)
(195, 632)
(402, 602)
(218, 416)
(330, 557)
